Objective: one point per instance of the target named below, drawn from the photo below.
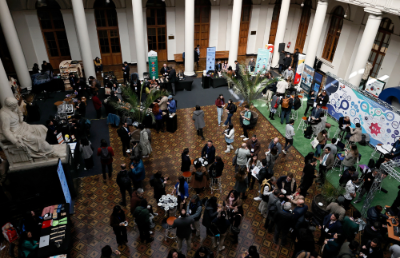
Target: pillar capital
(323, 2)
(373, 11)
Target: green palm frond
(248, 86)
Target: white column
(235, 29)
(70, 30)
(139, 37)
(83, 37)
(316, 31)
(14, 46)
(280, 32)
(5, 89)
(364, 49)
(189, 38)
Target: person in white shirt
(281, 87)
(288, 73)
(350, 192)
(289, 136)
(229, 137)
(395, 251)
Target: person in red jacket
(106, 154)
(97, 104)
(220, 103)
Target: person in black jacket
(283, 220)
(371, 232)
(231, 109)
(330, 226)
(194, 209)
(217, 167)
(47, 67)
(196, 58)
(262, 174)
(81, 107)
(221, 224)
(51, 136)
(125, 183)
(344, 126)
(305, 241)
(186, 162)
(125, 136)
(204, 252)
(125, 70)
(308, 176)
(210, 213)
(136, 85)
(286, 110)
(368, 181)
(310, 102)
(172, 79)
(323, 98)
(372, 249)
(287, 61)
(208, 152)
(295, 59)
(158, 183)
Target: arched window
(244, 26)
(156, 28)
(274, 22)
(202, 25)
(332, 39)
(53, 30)
(380, 46)
(107, 32)
(303, 26)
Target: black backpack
(297, 103)
(308, 132)
(363, 141)
(371, 164)
(234, 108)
(125, 180)
(105, 155)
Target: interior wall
(214, 26)
(123, 34)
(171, 43)
(180, 29)
(223, 27)
(70, 30)
(92, 30)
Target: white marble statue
(30, 138)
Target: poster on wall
(331, 85)
(210, 64)
(375, 87)
(262, 63)
(153, 64)
(382, 125)
(307, 78)
(316, 86)
(300, 69)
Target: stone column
(189, 38)
(139, 37)
(280, 32)
(14, 46)
(235, 30)
(83, 37)
(364, 49)
(5, 89)
(316, 31)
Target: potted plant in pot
(328, 194)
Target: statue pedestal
(60, 150)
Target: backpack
(125, 180)
(364, 140)
(234, 108)
(297, 103)
(308, 132)
(285, 103)
(371, 164)
(105, 155)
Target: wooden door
(202, 26)
(244, 27)
(274, 22)
(53, 31)
(108, 33)
(303, 26)
(157, 28)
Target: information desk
(65, 245)
(218, 82)
(186, 84)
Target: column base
(189, 73)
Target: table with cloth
(185, 84)
(63, 225)
(50, 86)
(218, 82)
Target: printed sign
(307, 78)
(210, 63)
(153, 64)
(63, 181)
(262, 63)
(375, 87)
(299, 69)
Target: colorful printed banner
(153, 64)
(210, 64)
(307, 78)
(262, 63)
(380, 123)
(300, 69)
(375, 87)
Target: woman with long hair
(173, 253)
(186, 162)
(158, 182)
(351, 157)
(216, 168)
(241, 182)
(210, 213)
(198, 117)
(118, 222)
(229, 138)
(220, 103)
(181, 190)
(158, 114)
(86, 150)
(204, 252)
(232, 202)
(271, 157)
(28, 246)
(225, 66)
(199, 179)
(252, 163)
(98, 65)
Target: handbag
(276, 104)
(9, 232)
(314, 143)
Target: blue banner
(210, 64)
(262, 60)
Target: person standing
(158, 182)
(252, 163)
(229, 138)
(330, 226)
(281, 61)
(252, 65)
(208, 152)
(107, 252)
(241, 157)
(274, 106)
(350, 226)
(171, 104)
(253, 145)
(286, 107)
(287, 61)
(395, 251)
(274, 203)
(310, 102)
(172, 79)
(98, 66)
(289, 136)
(194, 209)
(125, 136)
(144, 143)
(197, 56)
(288, 73)
(368, 181)
(308, 176)
(125, 183)
(118, 223)
(326, 163)
(246, 122)
(273, 143)
(181, 190)
(164, 70)
(210, 213)
(142, 214)
(283, 221)
(241, 183)
(198, 118)
(295, 59)
(125, 71)
(97, 104)
(86, 149)
(350, 193)
(230, 109)
(81, 107)
(220, 103)
(221, 224)
(186, 162)
(106, 154)
(138, 172)
(281, 87)
(159, 118)
(183, 230)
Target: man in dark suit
(208, 152)
(183, 230)
(164, 70)
(125, 136)
(172, 79)
(287, 61)
(330, 227)
(326, 164)
(81, 106)
(344, 126)
(218, 66)
(316, 112)
(125, 70)
(283, 221)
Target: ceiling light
(41, 3)
(302, 4)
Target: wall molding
(382, 5)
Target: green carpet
(303, 145)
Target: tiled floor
(97, 199)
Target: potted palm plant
(134, 107)
(247, 85)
